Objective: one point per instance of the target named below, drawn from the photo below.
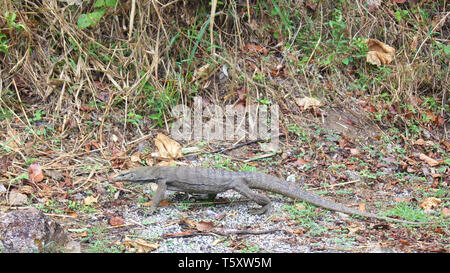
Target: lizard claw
(149, 212)
(262, 210)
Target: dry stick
(211, 26)
(132, 13)
(135, 143)
(220, 233)
(241, 145)
(108, 107)
(428, 36)
(337, 185)
(160, 19)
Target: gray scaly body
(213, 181)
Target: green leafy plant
(10, 21)
(3, 43)
(90, 19)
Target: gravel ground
(167, 220)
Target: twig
(428, 36)
(222, 150)
(336, 185)
(219, 233)
(132, 13)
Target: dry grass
(54, 66)
(80, 101)
(143, 57)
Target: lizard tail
(296, 193)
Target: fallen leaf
(430, 203)
(167, 147)
(139, 245)
(204, 226)
(13, 141)
(90, 200)
(420, 141)
(188, 222)
(370, 109)
(307, 102)
(116, 221)
(445, 212)
(354, 229)
(414, 43)
(402, 200)
(202, 72)
(430, 161)
(404, 242)
(379, 53)
(311, 5)
(362, 206)
(35, 173)
(278, 71)
(16, 198)
(242, 97)
(299, 206)
(252, 48)
(136, 157)
(86, 108)
(440, 120)
(299, 161)
(27, 189)
(164, 203)
(446, 143)
(354, 151)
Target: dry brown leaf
(373, 5)
(430, 161)
(170, 162)
(299, 207)
(430, 203)
(90, 200)
(204, 226)
(139, 245)
(16, 198)
(362, 206)
(414, 43)
(299, 161)
(145, 246)
(202, 72)
(445, 212)
(402, 200)
(311, 5)
(13, 141)
(353, 229)
(379, 53)
(35, 173)
(307, 102)
(167, 147)
(252, 48)
(420, 141)
(27, 189)
(116, 221)
(136, 157)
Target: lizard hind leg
(241, 187)
(158, 196)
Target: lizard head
(137, 175)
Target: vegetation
(85, 85)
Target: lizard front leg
(240, 186)
(158, 197)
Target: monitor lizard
(213, 181)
